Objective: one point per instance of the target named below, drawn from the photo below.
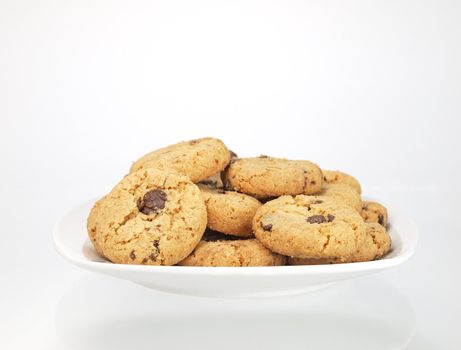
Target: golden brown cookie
(374, 246)
(198, 159)
(271, 177)
(334, 177)
(151, 217)
(238, 253)
(374, 212)
(229, 212)
(378, 246)
(309, 227)
(92, 222)
(343, 193)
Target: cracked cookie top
(265, 176)
(229, 212)
(310, 227)
(343, 193)
(198, 159)
(376, 244)
(233, 253)
(151, 217)
(339, 177)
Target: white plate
(72, 243)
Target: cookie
(264, 177)
(335, 177)
(309, 227)
(236, 253)
(374, 246)
(198, 159)
(92, 222)
(229, 212)
(374, 212)
(379, 244)
(343, 193)
(151, 217)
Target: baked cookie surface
(198, 159)
(92, 221)
(343, 193)
(309, 227)
(271, 177)
(380, 242)
(229, 212)
(233, 253)
(335, 176)
(376, 244)
(151, 217)
(374, 212)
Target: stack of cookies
(196, 203)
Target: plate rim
(381, 264)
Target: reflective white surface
(341, 317)
(49, 304)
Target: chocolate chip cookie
(335, 177)
(198, 159)
(376, 244)
(229, 212)
(152, 217)
(343, 193)
(233, 253)
(271, 177)
(374, 212)
(309, 227)
(92, 222)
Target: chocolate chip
(364, 207)
(381, 219)
(132, 255)
(153, 256)
(263, 156)
(324, 178)
(330, 217)
(266, 227)
(144, 261)
(152, 202)
(313, 183)
(316, 219)
(317, 201)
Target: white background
(369, 87)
